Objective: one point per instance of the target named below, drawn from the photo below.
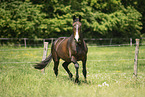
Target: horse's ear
(80, 17)
(74, 17)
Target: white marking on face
(77, 33)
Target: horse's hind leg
(65, 65)
(56, 63)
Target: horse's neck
(73, 40)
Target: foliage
(121, 23)
(139, 5)
(53, 18)
(21, 19)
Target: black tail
(43, 63)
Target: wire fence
(31, 49)
(87, 60)
(98, 42)
(26, 42)
(94, 42)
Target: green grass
(109, 75)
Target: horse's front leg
(73, 59)
(84, 69)
(77, 72)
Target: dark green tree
(53, 18)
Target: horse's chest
(79, 52)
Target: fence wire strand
(87, 60)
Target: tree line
(53, 18)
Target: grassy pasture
(110, 74)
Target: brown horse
(70, 49)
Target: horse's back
(61, 49)
(58, 41)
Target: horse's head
(77, 28)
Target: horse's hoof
(77, 81)
(70, 75)
(85, 81)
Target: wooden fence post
(25, 42)
(130, 41)
(44, 54)
(110, 41)
(136, 57)
(51, 41)
(43, 40)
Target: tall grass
(110, 74)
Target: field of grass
(110, 74)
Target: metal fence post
(44, 54)
(136, 57)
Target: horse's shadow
(81, 81)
